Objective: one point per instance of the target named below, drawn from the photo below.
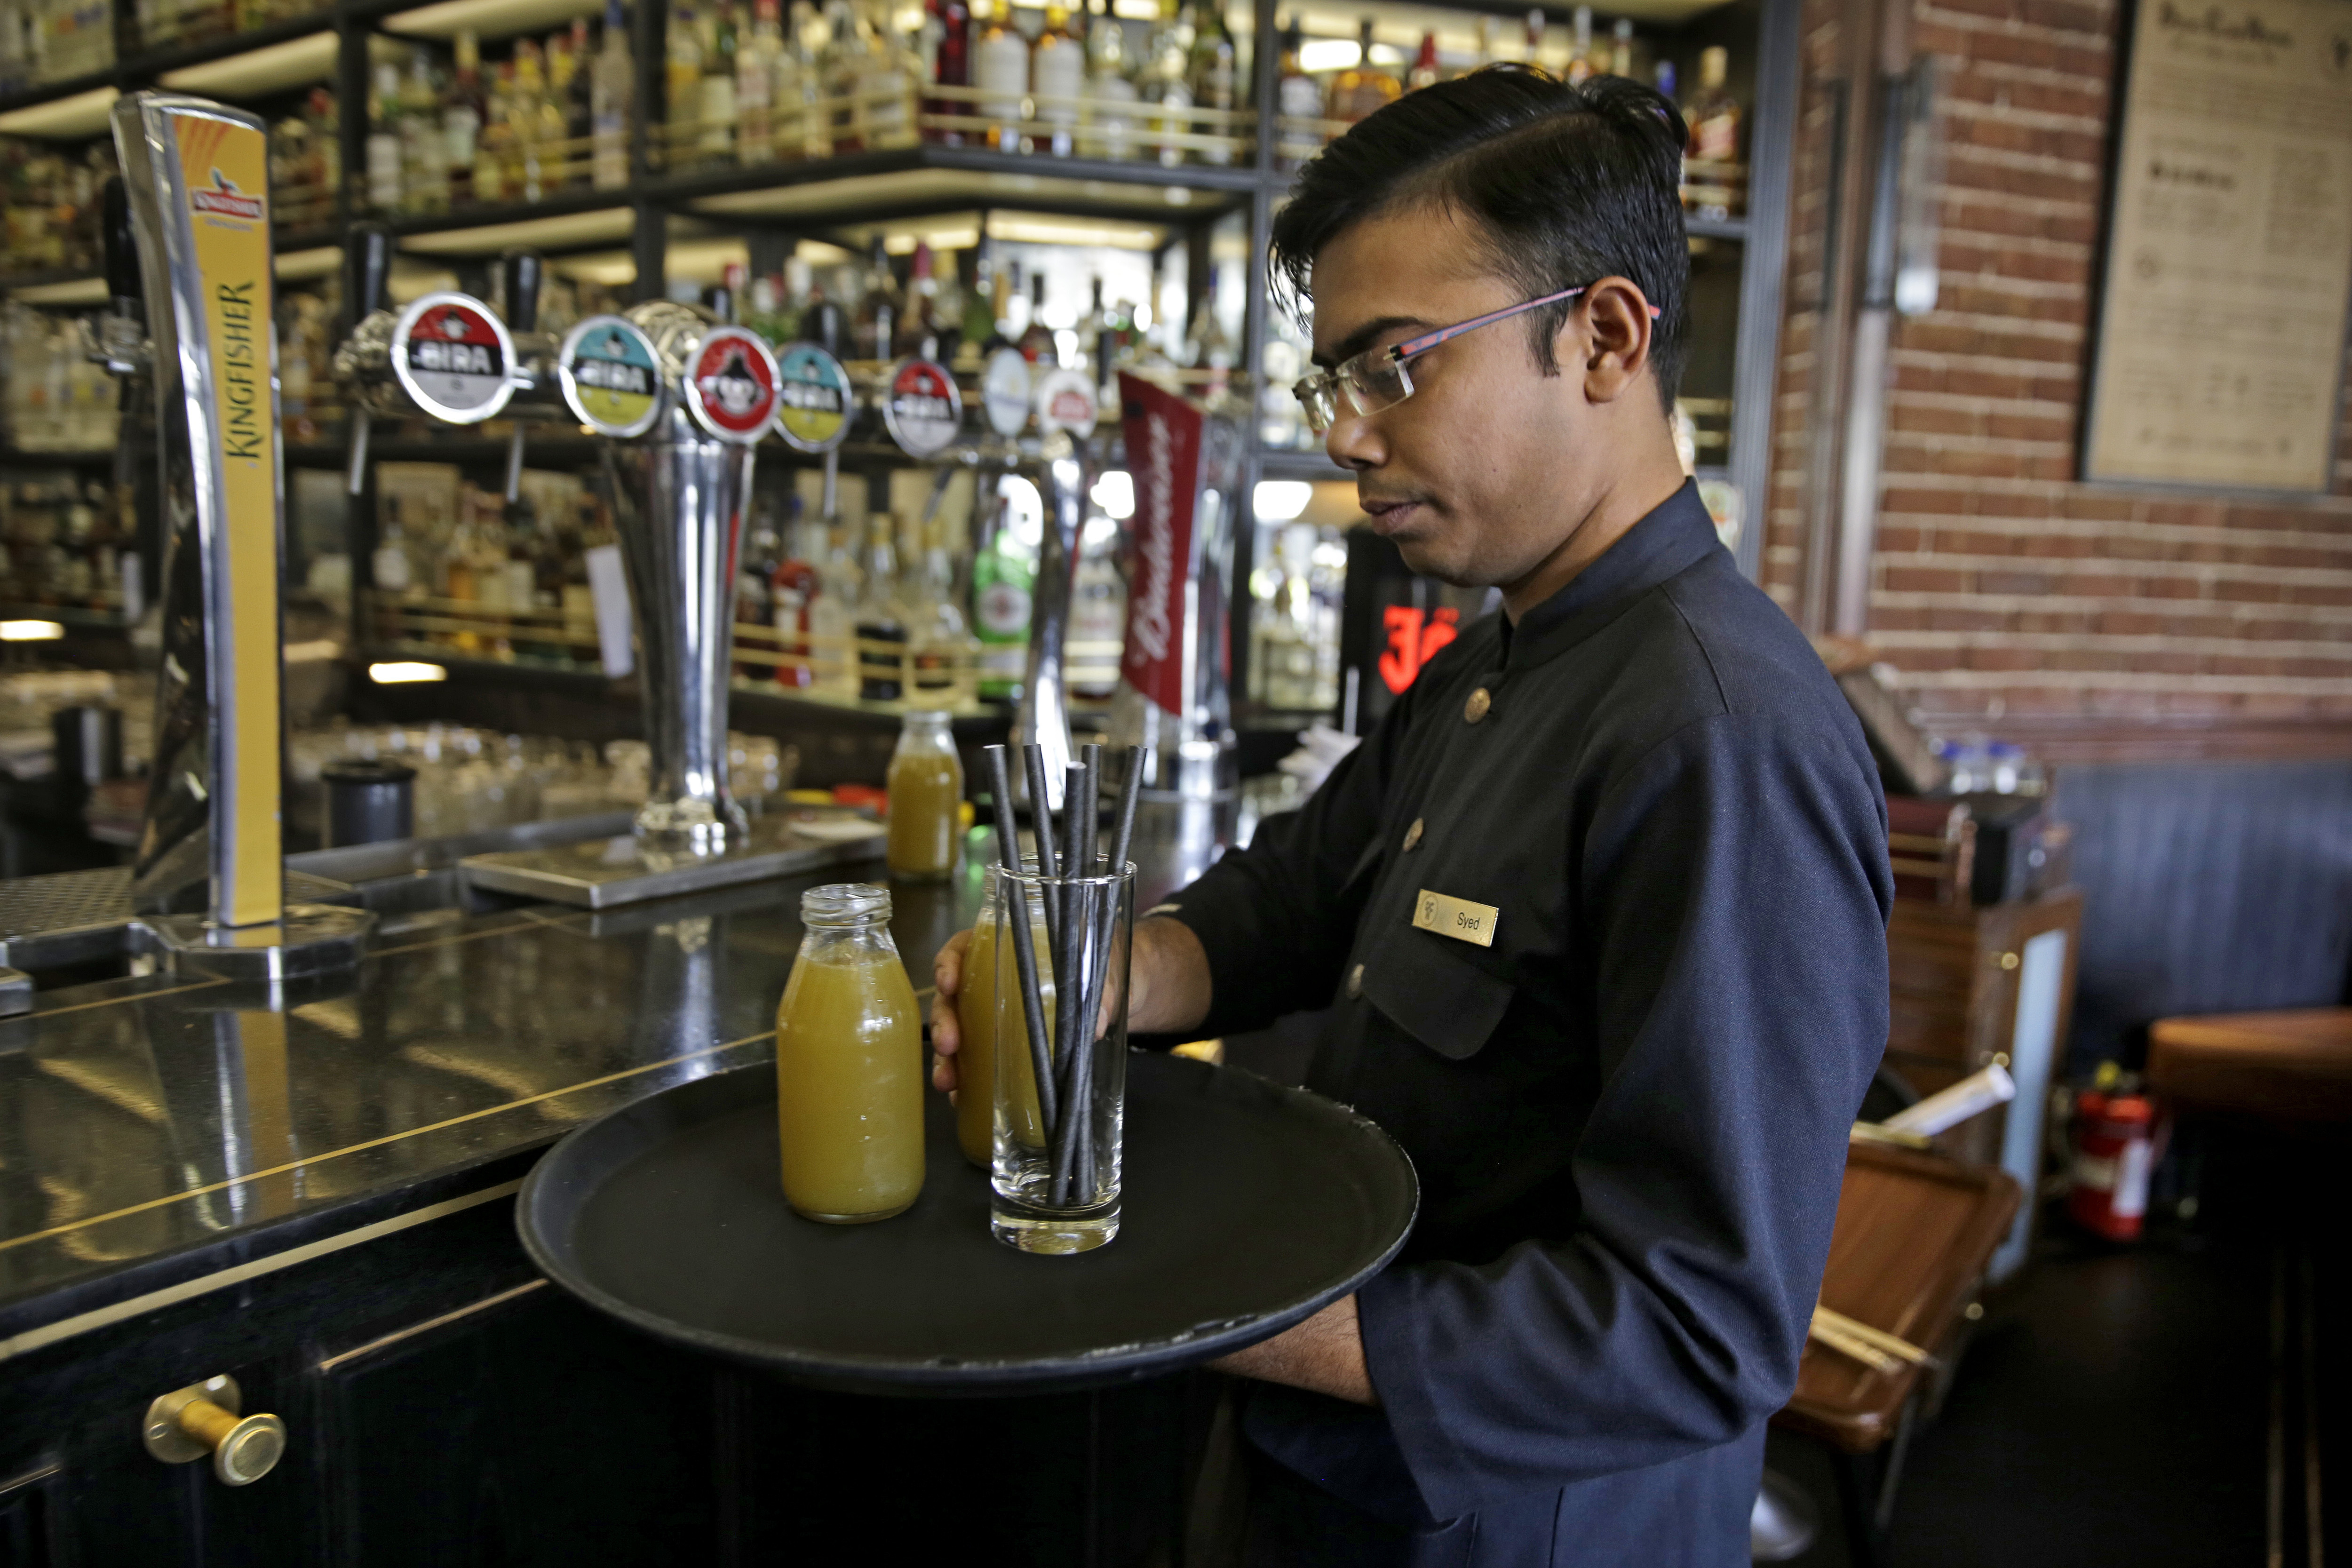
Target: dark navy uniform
(1627, 1104)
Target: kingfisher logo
(226, 199)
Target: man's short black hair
(1567, 184)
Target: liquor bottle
(326, 142)
(793, 587)
(1000, 69)
(1003, 588)
(1057, 77)
(1490, 30)
(1620, 49)
(424, 149)
(979, 323)
(461, 117)
(384, 150)
(1581, 65)
(917, 325)
(394, 563)
(1424, 72)
(1213, 76)
(560, 141)
(1110, 93)
(1536, 39)
(682, 75)
(495, 158)
(884, 616)
(1296, 97)
(1097, 609)
(755, 570)
(1662, 77)
(1037, 340)
(821, 322)
(879, 307)
(1711, 174)
(1165, 88)
(951, 66)
(1208, 346)
(1363, 87)
(718, 67)
(801, 91)
(580, 108)
(887, 80)
(843, 68)
(945, 315)
(612, 87)
(755, 60)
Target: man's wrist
(1170, 970)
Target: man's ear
(1615, 342)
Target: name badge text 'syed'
(1458, 918)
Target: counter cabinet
(316, 1200)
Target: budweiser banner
(1163, 455)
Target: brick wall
(2002, 588)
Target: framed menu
(2220, 348)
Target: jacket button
(1412, 836)
(1355, 983)
(1476, 709)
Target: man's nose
(1354, 441)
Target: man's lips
(1391, 517)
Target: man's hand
(1325, 1354)
(1167, 976)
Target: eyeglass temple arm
(1424, 343)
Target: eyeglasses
(1378, 379)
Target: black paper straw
(1074, 1024)
(1040, 816)
(1104, 921)
(1024, 952)
(1090, 758)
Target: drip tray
(599, 873)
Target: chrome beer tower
(190, 241)
(680, 401)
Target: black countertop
(158, 1131)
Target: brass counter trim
(154, 1301)
(454, 1315)
(376, 1144)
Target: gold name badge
(1458, 918)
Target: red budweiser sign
(1163, 454)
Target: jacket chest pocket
(1441, 996)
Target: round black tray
(1247, 1206)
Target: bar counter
(318, 1200)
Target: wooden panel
(1913, 1232)
(2293, 1065)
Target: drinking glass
(1053, 1173)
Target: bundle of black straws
(1080, 926)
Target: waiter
(1598, 910)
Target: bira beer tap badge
(223, 169)
(731, 384)
(453, 357)
(812, 412)
(609, 377)
(1163, 454)
(923, 409)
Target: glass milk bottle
(980, 1021)
(926, 782)
(849, 1063)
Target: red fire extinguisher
(2114, 1149)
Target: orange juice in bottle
(849, 1063)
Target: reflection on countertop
(146, 1118)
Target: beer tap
(680, 400)
(523, 273)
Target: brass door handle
(202, 1419)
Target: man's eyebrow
(1362, 338)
